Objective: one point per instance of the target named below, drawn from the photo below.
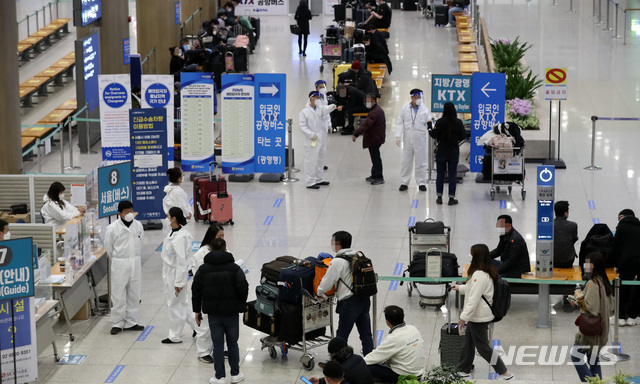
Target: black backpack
(363, 277)
(598, 239)
(501, 300)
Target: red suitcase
(221, 205)
(203, 186)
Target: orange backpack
(321, 270)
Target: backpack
(363, 277)
(502, 141)
(321, 265)
(501, 300)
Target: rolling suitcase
(271, 271)
(442, 15)
(361, 15)
(241, 59)
(291, 324)
(221, 205)
(203, 186)
(339, 13)
(261, 322)
(229, 62)
(293, 279)
(409, 5)
(255, 23)
(450, 344)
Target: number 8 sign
(114, 186)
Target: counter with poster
(262, 7)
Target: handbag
(589, 325)
(295, 29)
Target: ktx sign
(487, 109)
(451, 88)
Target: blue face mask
(185, 47)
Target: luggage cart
(432, 238)
(331, 48)
(507, 168)
(316, 314)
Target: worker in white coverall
(175, 195)
(314, 128)
(123, 243)
(176, 256)
(411, 133)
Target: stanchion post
(616, 353)
(374, 318)
(571, 6)
(550, 116)
(86, 115)
(624, 29)
(288, 177)
(71, 167)
(559, 126)
(607, 27)
(615, 32)
(28, 28)
(593, 167)
(61, 125)
(554, 3)
(430, 160)
(39, 154)
(599, 12)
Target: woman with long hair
(175, 195)
(476, 314)
(56, 210)
(302, 17)
(594, 300)
(449, 132)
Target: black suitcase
(255, 23)
(338, 13)
(450, 344)
(271, 270)
(261, 322)
(241, 59)
(430, 227)
(442, 15)
(409, 5)
(361, 16)
(293, 279)
(291, 325)
(417, 266)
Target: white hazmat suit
(124, 246)
(411, 126)
(176, 197)
(56, 215)
(176, 257)
(313, 123)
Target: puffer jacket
(219, 286)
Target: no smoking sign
(556, 76)
(555, 84)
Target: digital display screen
(89, 50)
(87, 11)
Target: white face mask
(323, 91)
(128, 217)
(7, 236)
(368, 105)
(418, 101)
(179, 53)
(61, 196)
(501, 230)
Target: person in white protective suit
(56, 210)
(176, 256)
(204, 342)
(411, 133)
(175, 195)
(123, 243)
(314, 128)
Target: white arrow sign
(485, 89)
(272, 89)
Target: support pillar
(209, 9)
(158, 29)
(11, 143)
(113, 30)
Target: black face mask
(342, 94)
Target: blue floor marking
(596, 220)
(398, 269)
(592, 204)
(191, 202)
(412, 221)
(414, 203)
(495, 344)
(114, 375)
(503, 204)
(277, 203)
(493, 376)
(393, 286)
(268, 220)
(379, 336)
(146, 332)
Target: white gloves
(315, 137)
(398, 141)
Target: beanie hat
(356, 65)
(336, 344)
(333, 370)
(627, 212)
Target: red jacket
(374, 128)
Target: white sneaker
(632, 321)
(464, 375)
(237, 378)
(612, 320)
(621, 323)
(221, 380)
(507, 376)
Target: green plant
(620, 378)
(507, 55)
(529, 121)
(521, 87)
(444, 374)
(595, 380)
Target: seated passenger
(4, 231)
(512, 250)
(355, 369)
(377, 36)
(56, 210)
(376, 53)
(381, 16)
(400, 353)
(353, 101)
(565, 235)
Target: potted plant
(523, 113)
(444, 374)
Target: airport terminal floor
(604, 80)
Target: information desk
(44, 327)
(73, 295)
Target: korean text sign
(115, 102)
(149, 165)
(451, 88)
(114, 186)
(487, 109)
(198, 107)
(238, 123)
(19, 332)
(16, 268)
(270, 122)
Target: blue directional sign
(487, 109)
(114, 186)
(270, 122)
(545, 191)
(16, 269)
(452, 88)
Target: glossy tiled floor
(604, 80)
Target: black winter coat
(513, 253)
(448, 148)
(626, 242)
(219, 286)
(302, 16)
(355, 371)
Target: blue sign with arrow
(270, 122)
(487, 109)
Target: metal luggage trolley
(433, 243)
(316, 314)
(507, 168)
(331, 48)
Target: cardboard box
(84, 313)
(21, 218)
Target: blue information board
(126, 51)
(149, 161)
(16, 269)
(452, 88)
(238, 106)
(177, 6)
(487, 109)
(545, 182)
(114, 186)
(88, 56)
(270, 122)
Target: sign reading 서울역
(555, 84)
(114, 186)
(487, 109)
(451, 88)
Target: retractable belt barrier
(594, 167)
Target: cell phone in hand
(305, 380)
